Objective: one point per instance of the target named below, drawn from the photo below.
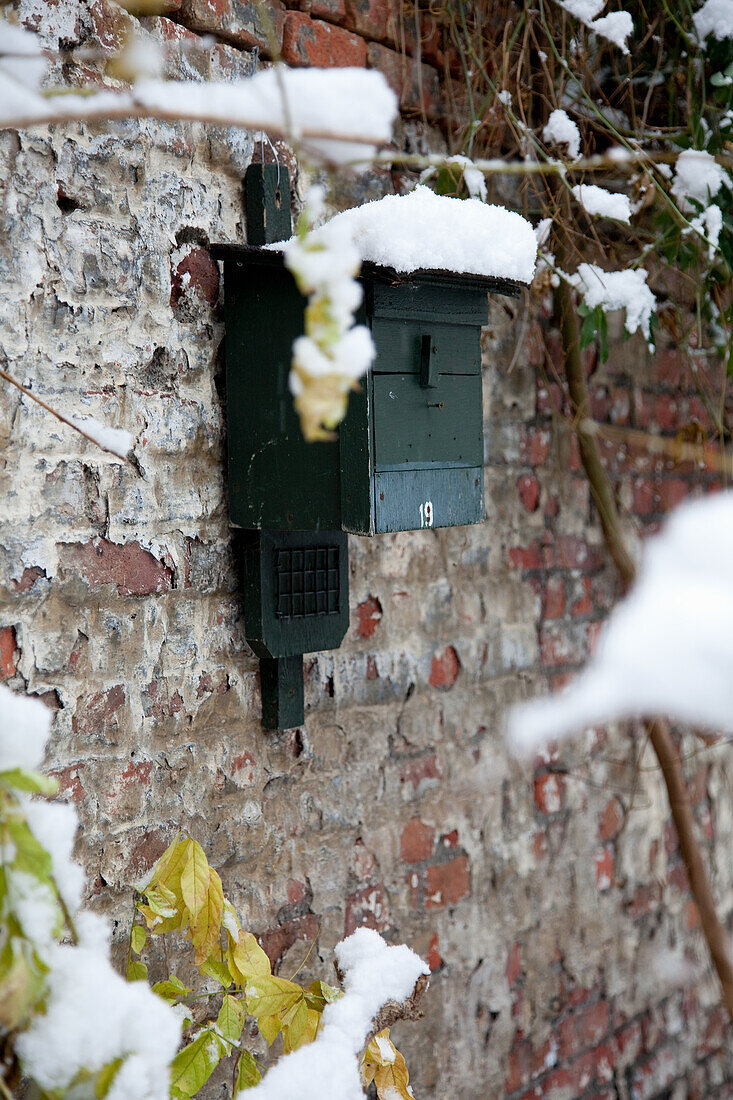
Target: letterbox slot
(455, 349)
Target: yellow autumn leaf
(383, 1064)
(300, 1026)
(269, 1028)
(195, 877)
(230, 920)
(167, 871)
(206, 928)
(269, 996)
(247, 959)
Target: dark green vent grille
(307, 582)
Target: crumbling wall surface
(548, 898)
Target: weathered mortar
(545, 911)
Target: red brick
(611, 820)
(447, 883)
(367, 908)
(69, 781)
(605, 868)
(417, 841)
(526, 557)
(520, 1067)
(368, 616)
(377, 19)
(553, 602)
(420, 768)
(203, 277)
(549, 791)
(514, 965)
(277, 941)
(146, 853)
(239, 21)
(415, 85)
(99, 712)
(333, 11)
(668, 367)
(309, 41)
(434, 959)
(372, 672)
(158, 702)
(534, 446)
(243, 769)
(444, 669)
(8, 653)
(528, 488)
(656, 410)
(136, 773)
(133, 570)
(672, 492)
(28, 578)
(584, 1029)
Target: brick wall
(549, 899)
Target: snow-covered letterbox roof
(402, 237)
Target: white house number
(426, 514)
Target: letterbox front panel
(455, 349)
(417, 425)
(276, 479)
(407, 500)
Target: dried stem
(661, 740)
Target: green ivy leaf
(588, 330)
(171, 990)
(247, 1074)
(319, 994)
(30, 855)
(230, 1020)
(137, 972)
(33, 782)
(105, 1078)
(192, 1066)
(138, 938)
(219, 971)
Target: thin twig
(59, 416)
(704, 454)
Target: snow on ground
(424, 230)
(715, 17)
(697, 175)
(615, 27)
(374, 973)
(561, 130)
(667, 649)
(602, 203)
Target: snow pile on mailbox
(422, 230)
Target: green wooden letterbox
(409, 453)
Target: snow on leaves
(184, 893)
